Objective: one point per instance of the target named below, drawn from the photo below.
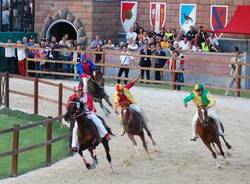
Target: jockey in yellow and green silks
(202, 98)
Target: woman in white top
(10, 56)
(125, 61)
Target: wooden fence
(172, 82)
(4, 77)
(48, 143)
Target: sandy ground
(175, 159)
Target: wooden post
(26, 67)
(15, 146)
(36, 96)
(6, 100)
(60, 99)
(238, 79)
(173, 74)
(103, 60)
(48, 147)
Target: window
(17, 15)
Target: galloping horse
(96, 89)
(134, 126)
(208, 132)
(88, 136)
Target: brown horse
(134, 125)
(96, 89)
(208, 132)
(88, 136)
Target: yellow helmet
(119, 87)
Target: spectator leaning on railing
(159, 62)
(10, 56)
(21, 57)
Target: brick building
(85, 18)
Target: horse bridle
(75, 115)
(202, 110)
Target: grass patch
(35, 158)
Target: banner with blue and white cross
(187, 16)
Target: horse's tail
(106, 126)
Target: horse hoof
(88, 166)
(218, 167)
(154, 143)
(229, 147)
(95, 161)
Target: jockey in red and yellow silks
(89, 108)
(123, 98)
(202, 98)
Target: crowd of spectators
(168, 42)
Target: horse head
(98, 77)
(74, 109)
(203, 115)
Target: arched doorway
(61, 27)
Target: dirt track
(175, 158)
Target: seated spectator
(121, 44)
(214, 43)
(132, 45)
(174, 32)
(183, 44)
(95, 42)
(109, 45)
(164, 43)
(191, 47)
(131, 34)
(169, 34)
(180, 35)
(205, 46)
(140, 34)
(191, 34)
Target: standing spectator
(125, 61)
(145, 61)
(233, 70)
(52, 55)
(159, 62)
(191, 34)
(131, 34)
(76, 60)
(98, 57)
(21, 57)
(95, 42)
(191, 47)
(10, 57)
(214, 43)
(39, 55)
(136, 27)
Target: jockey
(87, 100)
(123, 98)
(85, 68)
(202, 98)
